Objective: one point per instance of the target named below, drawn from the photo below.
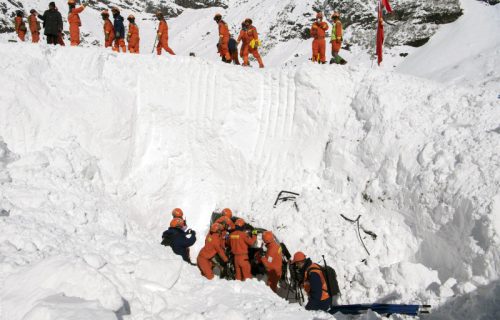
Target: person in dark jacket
(314, 283)
(52, 23)
(179, 241)
(119, 31)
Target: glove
(117, 35)
(254, 232)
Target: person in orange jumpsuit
(239, 242)
(133, 35)
(314, 283)
(109, 30)
(74, 22)
(20, 25)
(272, 261)
(213, 246)
(224, 36)
(251, 42)
(336, 39)
(162, 35)
(318, 30)
(34, 26)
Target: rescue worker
(224, 35)
(133, 35)
(213, 246)
(20, 25)
(272, 261)
(251, 43)
(74, 22)
(162, 35)
(314, 283)
(243, 37)
(336, 39)
(179, 241)
(119, 28)
(52, 24)
(109, 30)
(239, 243)
(34, 26)
(318, 30)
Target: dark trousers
(52, 39)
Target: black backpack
(166, 239)
(331, 279)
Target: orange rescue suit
(239, 242)
(337, 43)
(163, 38)
(224, 36)
(324, 286)
(273, 263)
(133, 38)
(74, 25)
(34, 28)
(109, 33)
(318, 30)
(249, 35)
(213, 246)
(20, 28)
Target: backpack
(166, 239)
(330, 277)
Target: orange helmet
(71, 2)
(319, 15)
(177, 223)
(298, 257)
(177, 213)
(267, 236)
(335, 14)
(216, 227)
(240, 223)
(131, 17)
(115, 9)
(105, 13)
(218, 17)
(227, 212)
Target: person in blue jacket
(119, 31)
(314, 283)
(178, 238)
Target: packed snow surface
(98, 147)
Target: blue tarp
(407, 309)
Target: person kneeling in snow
(314, 283)
(177, 238)
(213, 246)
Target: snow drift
(100, 147)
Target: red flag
(387, 6)
(380, 34)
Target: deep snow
(99, 148)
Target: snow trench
(99, 147)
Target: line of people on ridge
(226, 234)
(115, 34)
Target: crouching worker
(213, 246)
(272, 261)
(176, 238)
(314, 283)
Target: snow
(98, 147)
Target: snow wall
(128, 138)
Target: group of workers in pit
(115, 34)
(226, 234)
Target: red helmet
(177, 223)
(298, 257)
(267, 236)
(177, 213)
(216, 227)
(227, 212)
(240, 223)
